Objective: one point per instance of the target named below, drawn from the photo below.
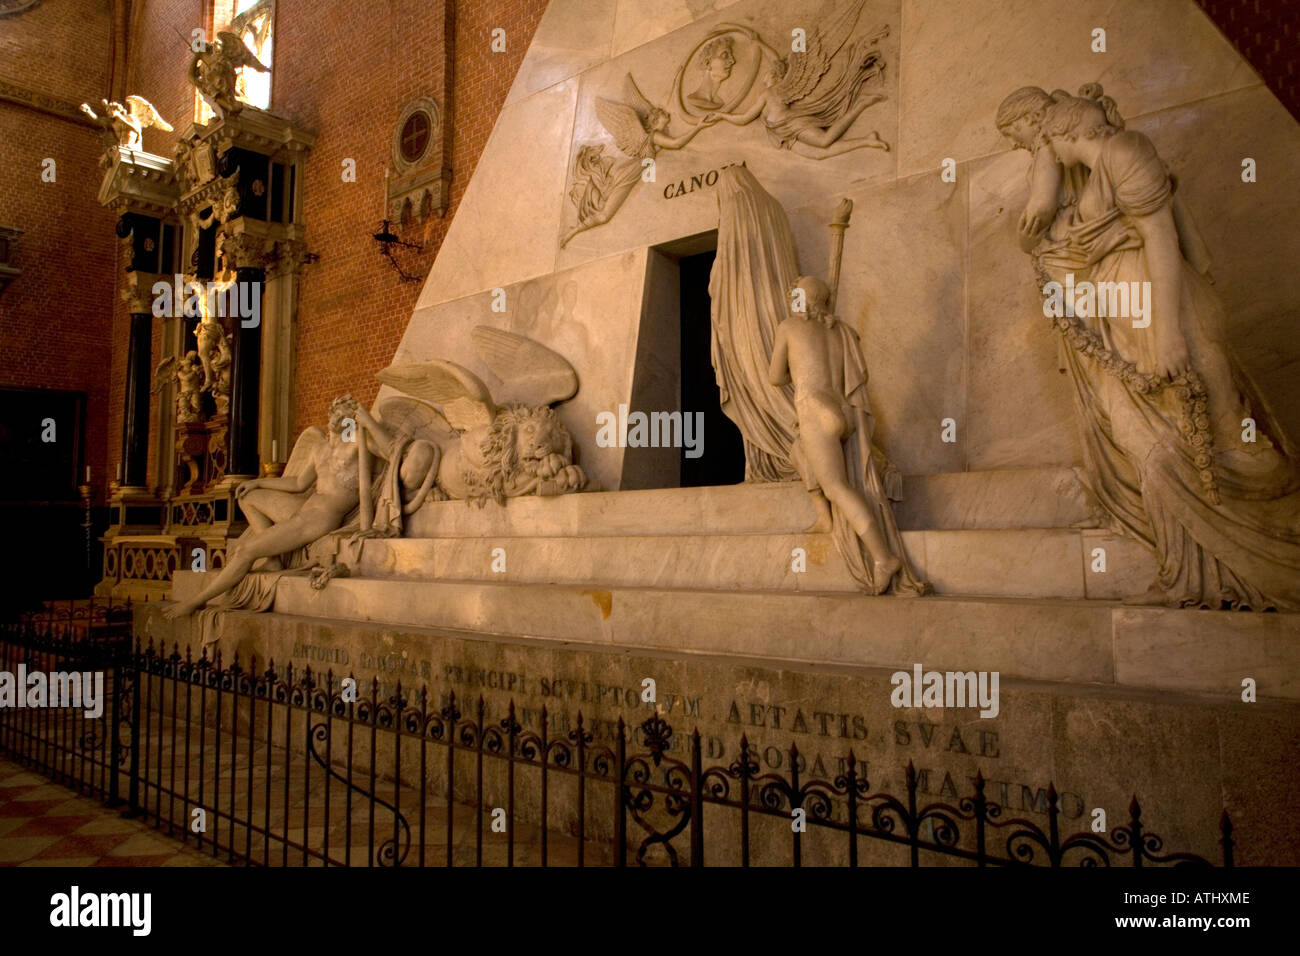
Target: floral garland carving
(1189, 390)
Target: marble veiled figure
(1161, 405)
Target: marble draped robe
(755, 268)
(1239, 544)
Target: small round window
(414, 140)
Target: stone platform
(1100, 742)
(694, 588)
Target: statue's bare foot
(180, 609)
(875, 142)
(1154, 596)
(883, 571)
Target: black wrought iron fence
(267, 767)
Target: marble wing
(806, 69)
(144, 111)
(416, 418)
(539, 375)
(464, 399)
(623, 123)
(238, 54)
(164, 374)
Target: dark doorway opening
(674, 375)
(721, 454)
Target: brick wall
(55, 319)
(343, 70)
(1267, 34)
(346, 77)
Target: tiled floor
(43, 824)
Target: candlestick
(275, 450)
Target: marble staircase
(710, 571)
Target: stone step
(1007, 563)
(1075, 642)
(1025, 498)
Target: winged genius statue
(444, 437)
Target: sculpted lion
(490, 451)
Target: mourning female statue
(1180, 450)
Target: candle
(275, 450)
(87, 474)
(119, 472)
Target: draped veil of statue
(755, 268)
(1162, 408)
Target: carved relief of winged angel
(640, 130)
(812, 96)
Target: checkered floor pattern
(44, 824)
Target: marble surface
(933, 279)
(960, 60)
(1185, 755)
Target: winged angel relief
(813, 95)
(810, 99)
(444, 438)
(603, 183)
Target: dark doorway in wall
(721, 458)
(50, 552)
(674, 374)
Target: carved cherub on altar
(188, 376)
(491, 451)
(640, 130)
(188, 388)
(221, 376)
(214, 71)
(812, 97)
(124, 125)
